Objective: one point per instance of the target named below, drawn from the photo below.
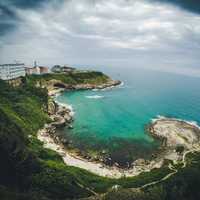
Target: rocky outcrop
(15, 82)
(60, 116)
(176, 132)
(95, 86)
(178, 137)
(55, 86)
(52, 107)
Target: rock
(116, 164)
(104, 152)
(68, 118)
(70, 126)
(115, 187)
(140, 161)
(64, 141)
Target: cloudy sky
(158, 34)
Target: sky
(156, 34)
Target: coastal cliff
(29, 171)
(76, 80)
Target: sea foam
(68, 106)
(193, 123)
(95, 97)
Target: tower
(35, 63)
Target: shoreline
(65, 114)
(99, 168)
(111, 84)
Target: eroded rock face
(54, 85)
(52, 107)
(140, 161)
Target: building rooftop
(9, 65)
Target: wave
(121, 85)
(193, 123)
(95, 97)
(95, 90)
(68, 106)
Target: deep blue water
(123, 112)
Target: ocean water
(114, 120)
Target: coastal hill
(28, 171)
(73, 80)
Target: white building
(12, 71)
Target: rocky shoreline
(60, 87)
(63, 117)
(178, 137)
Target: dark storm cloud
(191, 5)
(23, 3)
(8, 17)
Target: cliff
(76, 80)
(28, 171)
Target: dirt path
(171, 168)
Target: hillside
(28, 171)
(71, 81)
(73, 78)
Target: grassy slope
(184, 185)
(28, 170)
(74, 78)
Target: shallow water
(115, 119)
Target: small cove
(112, 122)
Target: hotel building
(12, 71)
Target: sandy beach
(94, 167)
(175, 132)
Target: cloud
(24, 4)
(7, 20)
(190, 5)
(136, 32)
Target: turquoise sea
(114, 120)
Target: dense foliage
(184, 185)
(71, 78)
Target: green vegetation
(71, 78)
(28, 171)
(29, 168)
(184, 185)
